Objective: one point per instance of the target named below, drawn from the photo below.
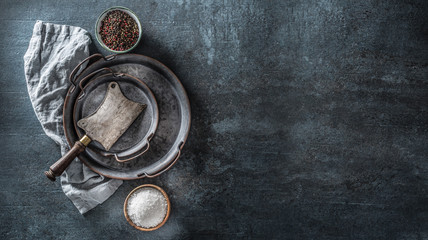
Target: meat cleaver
(111, 119)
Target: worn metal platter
(174, 115)
(136, 140)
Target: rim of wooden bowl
(125, 205)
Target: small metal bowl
(125, 205)
(103, 15)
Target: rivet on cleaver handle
(112, 118)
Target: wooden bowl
(125, 205)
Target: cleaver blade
(112, 118)
(106, 125)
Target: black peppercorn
(119, 31)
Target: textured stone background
(309, 121)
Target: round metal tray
(174, 114)
(135, 141)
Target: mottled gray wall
(309, 121)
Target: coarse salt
(147, 207)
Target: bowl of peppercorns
(118, 30)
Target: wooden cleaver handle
(57, 168)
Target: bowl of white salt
(147, 207)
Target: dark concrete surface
(309, 121)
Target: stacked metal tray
(154, 141)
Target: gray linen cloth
(53, 52)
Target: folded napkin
(53, 52)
